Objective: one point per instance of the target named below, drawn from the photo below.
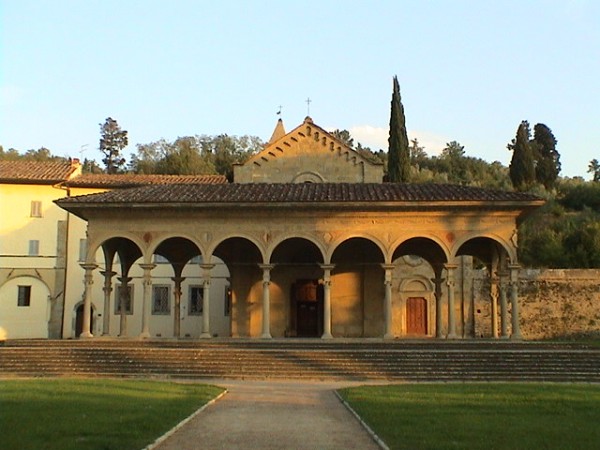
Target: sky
(469, 71)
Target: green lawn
(93, 413)
(481, 416)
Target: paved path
(273, 415)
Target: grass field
(481, 416)
(93, 414)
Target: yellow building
(42, 246)
(308, 241)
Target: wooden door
(416, 316)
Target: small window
(82, 249)
(128, 299)
(36, 208)
(34, 248)
(196, 294)
(24, 296)
(160, 300)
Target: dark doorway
(307, 296)
(79, 320)
(416, 316)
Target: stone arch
(241, 237)
(308, 177)
(337, 243)
(243, 257)
(357, 288)
(108, 241)
(174, 238)
(298, 238)
(428, 248)
(483, 247)
(297, 295)
(491, 252)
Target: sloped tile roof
(132, 180)
(299, 193)
(46, 172)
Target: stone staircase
(303, 359)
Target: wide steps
(298, 359)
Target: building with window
(43, 246)
(308, 241)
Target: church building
(308, 241)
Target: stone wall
(555, 303)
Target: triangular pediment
(308, 153)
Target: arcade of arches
(337, 258)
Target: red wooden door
(416, 316)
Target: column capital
(108, 273)
(124, 279)
(266, 266)
(388, 266)
(89, 266)
(450, 266)
(327, 266)
(178, 279)
(147, 266)
(207, 266)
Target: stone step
(302, 359)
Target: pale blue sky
(469, 71)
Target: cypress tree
(398, 152)
(522, 164)
(547, 167)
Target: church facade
(307, 242)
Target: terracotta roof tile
(299, 193)
(132, 180)
(47, 172)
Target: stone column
(107, 274)
(514, 301)
(494, 300)
(387, 301)
(266, 301)
(123, 296)
(88, 281)
(327, 268)
(503, 305)
(177, 306)
(206, 301)
(450, 268)
(439, 320)
(147, 303)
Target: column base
(388, 336)
(266, 336)
(86, 335)
(516, 337)
(452, 336)
(504, 337)
(145, 335)
(205, 336)
(327, 336)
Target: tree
(522, 164)
(547, 158)
(112, 141)
(594, 169)
(344, 136)
(398, 153)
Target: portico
(329, 259)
